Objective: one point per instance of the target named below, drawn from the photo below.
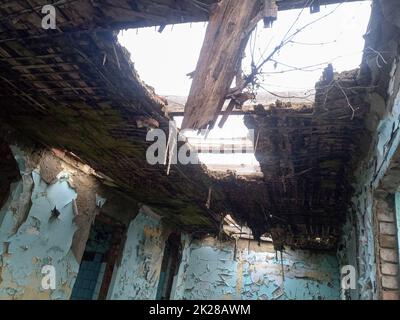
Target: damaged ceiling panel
(306, 154)
(80, 93)
(75, 89)
(22, 16)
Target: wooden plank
(299, 4)
(85, 14)
(226, 37)
(230, 25)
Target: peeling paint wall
(31, 237)
(348, 252)
(397, 203)
(34, 234)
(361, 215)
(358, 244)
(212, 270)
(178, 289)
(138, 274)
(360, 250)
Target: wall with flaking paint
(178, 288)
(211, 270)
(397, 203)
(359, 240)
(31, 237)
(138, 273)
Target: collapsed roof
(75, 89)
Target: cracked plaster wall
(210, 270)
(30, 237)
(359, 240)
(138, 273)
(360, 227)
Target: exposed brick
(390, 282)
(386, 215)
(390, 269)
(387, 228)
(389, 255)
(386, 241)
(390, 295)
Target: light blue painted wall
(211, 272)
(34, 239)
(178, 288)
(137, 276)
(397, 200)
(208, 269)
(386, 139)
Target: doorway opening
(100, 259)
(169, 267)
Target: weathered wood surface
(226, 37)
(74, 15)
(78, 92)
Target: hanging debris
(315, 6)
(270, 13)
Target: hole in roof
(333, 35)
(236, 141)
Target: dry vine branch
(288, 97)
(347, 99)
(255, 71)
(378, 55)
(337, 84)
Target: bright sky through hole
(163, 59)
(233, 128)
